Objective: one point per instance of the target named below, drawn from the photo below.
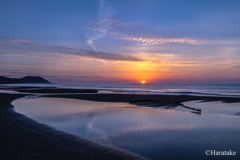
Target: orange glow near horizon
(139, 71)
(143, 81)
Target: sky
(127, 41)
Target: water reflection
(151, 132)
(215, 107)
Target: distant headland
(27, 79)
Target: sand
(24, 138)
(55, 90)
(140, 99)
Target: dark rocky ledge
(27, 79)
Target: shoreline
(144, 99)
(94, 95)
(24, 138)
(164, 101)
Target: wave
(133, 91)
(192, 89)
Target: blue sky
(121, 41)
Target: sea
(195, 89)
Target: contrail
(105, 11)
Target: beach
(120, 80)
(115, 80)
(25, 138)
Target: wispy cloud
(157, 40)
(21, 73)
(106, 11)
(133, 32)
(51, 78)
(106, 24)
(7, 44)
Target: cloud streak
(132, 32)
(157, 40)
(105, 25)
(7, 44)
(106, 11)
(19, 74)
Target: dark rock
(27, 79)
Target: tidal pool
(151, 132)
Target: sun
(143, 81)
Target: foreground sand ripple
(24, 138)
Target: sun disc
(143, 81)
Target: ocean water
(151, 132)
(158, 133)
(203, 89)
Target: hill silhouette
(27, 79)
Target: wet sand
(55, 90)
(24, 138)
(140, 99)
